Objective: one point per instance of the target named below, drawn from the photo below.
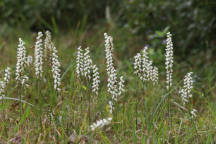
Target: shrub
(191, 20)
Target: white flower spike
(39, 55)
(169, 60)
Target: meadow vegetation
(98, 87)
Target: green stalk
(89, 100)
(136, 105)
(20, 89)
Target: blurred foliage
(46, 13)
(192, 22)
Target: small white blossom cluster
(185, 92)
(115, 88)
(83, 63)
(95, 79)
(193, 113)
(29, 60)
(24, 81)
(2, 88)
(87, 64)
(143, 67)
(39, 55)
(85, 68)
(7, 76)
(101, 123)
(51, 55)
(56, 69)
(21, 61)
(79, 62)
(47, 46)
(47, 40)
(154, 76)
(120, 90)
(169, 60)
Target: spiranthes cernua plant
(169, 60)
(95, 79)
(115, 87)
(112, 75)
(2, 88)
(186, 91)
(143, 67)
(56, 69)
(39, 55)
(154, 75)
(86, 68)
(121, 85)
(80, 62)
(5, 81)
(146, 65)
(7, 75)
(48, 46)
(87, 64)
(21, 59)
(138, 65)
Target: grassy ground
(141, 113)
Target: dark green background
(193, 22)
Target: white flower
(154, 76)
(7, 75)
(29, 60)
(56, 69)
(47, 40)
(115, 88)
(121, 85)
(79, 62)
(87, 64)
(193, 113)
(21, 57)
(169, 60)
(39, 55)
(143, 67)
(112, 76)
(2, 88)
(24, 80)
(95, 79)
(185, 92)
(110, 104)
(101, 123)
(48, 46)
(146, 65)
(138, 64)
